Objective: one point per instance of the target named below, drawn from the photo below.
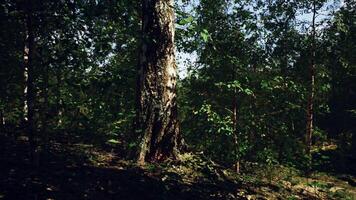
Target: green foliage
(318, 184)
(250, 55)
(242, 96)
(113, 141)
(186, 20)
(219, 124)
(204, 35)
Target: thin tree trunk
(2, 121)
(29, 104)
(45, 89)
(310, 111)
(235, 130)
(353, 147)
(45, 114)
(284, 66)
(46, 102)
(156, 100)
(59, 103)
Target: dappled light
(178, 99)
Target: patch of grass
(293, 197)
(342, 194)
(318, 184)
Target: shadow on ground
(60, 177)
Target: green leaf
(185, 21)
(204, 35)
(113, 141)
(132, 145)
(248, 91)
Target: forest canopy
(238, 82)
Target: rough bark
(310, 106)
(156, 100)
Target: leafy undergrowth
(81, 171)
(259, 181)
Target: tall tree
(156, 100)
(311, 89)
(29, 91)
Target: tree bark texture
(156, 100)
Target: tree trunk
(29, 91)
(59, 102)
(236, 137)
(310, 109)
(353, 147)
(45, 108)
(2, 121)
(156, 100)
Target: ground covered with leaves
(82, 171)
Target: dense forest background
(268, 82)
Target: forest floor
(82, 171)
